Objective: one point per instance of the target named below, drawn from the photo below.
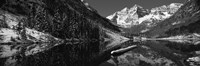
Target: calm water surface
(147, 53)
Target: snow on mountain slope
(13, 31)
(136, 15)
(184, 21)
(6, 35)
(10, 35)
(127, 17)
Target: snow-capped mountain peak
(173, 7)
(127, 10)
(137, 15)
(124, 10)
(135, 7)
(128, 16)
(175, 4)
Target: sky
(108, 7)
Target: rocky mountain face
(50, 20)
(184, 22)
(137, 20)
(138, 15)
(172, 20)
(127, 17)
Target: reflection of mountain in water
(150, 53)
(156, 53)
(65, 54)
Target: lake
(97, 53)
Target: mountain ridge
(135, 15)
(184, 21)
(57, 18)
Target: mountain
(51, 20)
(66, 31)
(184, 22)
(139, 20)
(35, 26)
(165, 21)
(127, 17)
(137, 14)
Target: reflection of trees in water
(64, 54)
(151, 51)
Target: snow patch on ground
(175, 23)
(194, 61)
(144, 30)
(7, 51)
(6, 35)
(10, 35)
(37, 36)
(11, 20)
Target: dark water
(147, 53)
(156, 53)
